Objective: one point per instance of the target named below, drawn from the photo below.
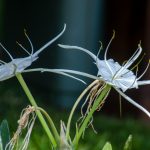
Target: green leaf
(76, 140)
(107, 146)
(128, 144)
(4, 134)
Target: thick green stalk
(90, 114)
(40, 116)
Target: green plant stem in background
(51, 123)
(75, 106)
(95, 106)
(32, 101)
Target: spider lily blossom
(18, 65)
(121, 78)
(112, 72)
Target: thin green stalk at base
(95, 106)
(40, 116)
(51, 123)
(75, 106)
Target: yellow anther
(113, 36)
(139, 62)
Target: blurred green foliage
(115, 131)
(4, 134)
(109, 129)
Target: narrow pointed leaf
(107, 146)
(4, 134)
(128, 144)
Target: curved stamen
(130, 61)
(6, 51)
(23, 48)
(133, 57)
(136, 65)
(105, 55)
(144, 71)
(32, 49)
(101, 46)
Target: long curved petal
(63, 71)
(79, 48)
(53, 71)
(50, 42)
(133, 102)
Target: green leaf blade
(107, 146)
(4, 134)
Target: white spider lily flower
(18, 65)
(112, 72)
(109, 71)
(119, 77)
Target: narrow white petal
(79, 73)
(79, 48)
(133, 102)
(53, 71)
(50, 42)
(144, 82)
(63, 71)
(144, 72)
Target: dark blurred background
(88, 22)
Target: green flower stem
(51, 123)
(90, 114)
(75, 106)
(32, 101)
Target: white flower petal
(133, 102)
(18, 65)
(79, 48)
(144, 82)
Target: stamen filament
(105, 55)
(144, 71)
(101, 46)
(32, 49)
(6, 51)
(23, 47)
